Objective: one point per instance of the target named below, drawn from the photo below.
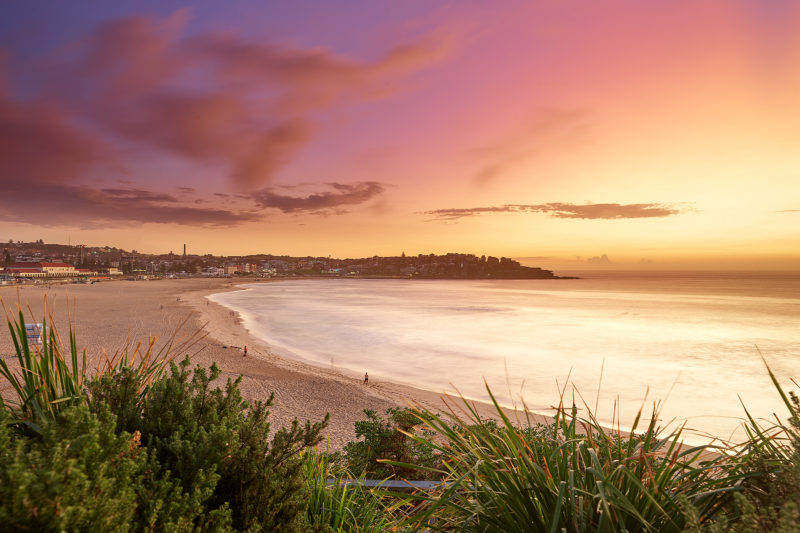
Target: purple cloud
(342, 195)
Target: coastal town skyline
(566, 136)
(34, 261)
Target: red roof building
(50, 270)
(26, 272)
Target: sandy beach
(106, 315)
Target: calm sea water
(689, 339)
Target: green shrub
(77, 475)
(206, 436)
(152, 451)
(389, 439)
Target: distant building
(18, 272)
(278, 264)
(28, 258)
(42, 270)
(58, 270)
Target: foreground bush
(78, 475)
(205, 436)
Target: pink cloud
(217, 97)
(39, 144)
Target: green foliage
(211, 439)
(341, 506)
(390, 440)
(47, 384)
(76, 475)
(578, 477)
(743, 516)
(773, 460)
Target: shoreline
(234, 331)
(226, 327)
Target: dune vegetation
(146, 442)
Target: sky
(569, 134)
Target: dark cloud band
(343, 194)
(56, 204)
(562, 210)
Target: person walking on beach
(245, 352)
(366, 378)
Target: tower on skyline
(184, 249)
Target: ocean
(615, 340)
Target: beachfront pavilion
(43, 270)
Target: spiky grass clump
(579, 477)
(338, 503)
(47, 384)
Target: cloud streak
(343, 194)
(547, 129)
(57, 204)
(562, 210)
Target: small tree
(388, 440)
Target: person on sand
(245, 352)
(366, 378)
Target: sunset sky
(661, 134)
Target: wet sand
(106, 315)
